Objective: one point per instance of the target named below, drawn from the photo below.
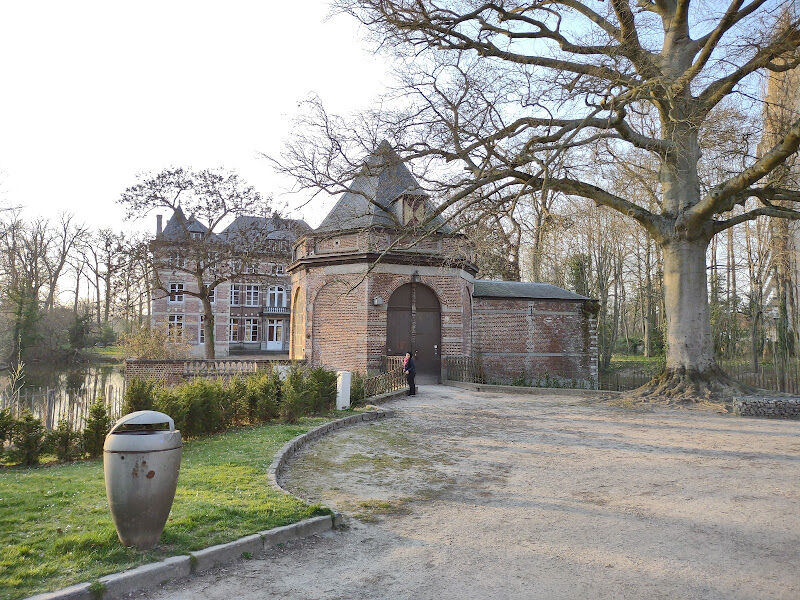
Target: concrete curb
(152, 575)
(539, 391)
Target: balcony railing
(274, 310)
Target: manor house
(383, 274)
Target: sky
(93, 93)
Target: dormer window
(413, 211)
(196, 235)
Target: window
(175, 327)
(201, 332)
(212, 294)
(175, 259)
(251, 294)
(236, 291)
(176, 292)
(196, 235)
(280, 269)
(277, 296)
(251, 330)
(252, 269)
(233, 330)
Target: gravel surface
(483, 495)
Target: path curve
(482, 495)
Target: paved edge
(518, 389)
(152, 575)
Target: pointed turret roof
(371, 199)
(174, 231)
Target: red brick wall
(534, 339)
(339, 323)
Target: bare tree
(544, 95)
(213, 198)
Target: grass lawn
(56, 529)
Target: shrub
(294, 396)
(6, 426)
(98, 424)
(139, 395)
(153, 343)
(263, 394)
(321, 385)
(169, 401)
(64, 441)
(202, 406)
(27, 437)
(357, 392)
(239, 405)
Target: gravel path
(482, 495)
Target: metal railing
(384, 383)
(463, 368)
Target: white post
(342, 390)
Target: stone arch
(414, 322)
(297, 345)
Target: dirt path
(478, 495)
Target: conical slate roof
(371, 199)
(174, 231)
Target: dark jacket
(411, 367)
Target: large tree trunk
(691, 374)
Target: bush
(153, 343)
(357, 392)
(169, 401)
(197, 407)
(139, 395)
(64, 442)
(321, 385)
(263, 396)
(294, 396)
(238, 406)
(27, 437)
(98, 424)
(6, 426)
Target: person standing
(410, 369)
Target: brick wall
(533, 339)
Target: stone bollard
(343, 389)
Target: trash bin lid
(139, 432)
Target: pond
(55, 392)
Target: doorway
(414, 323)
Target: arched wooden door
(414, 324)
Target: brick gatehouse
(379, 277)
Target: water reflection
(56, 392)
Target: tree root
(682, 386)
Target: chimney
(158, 225)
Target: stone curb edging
(292, 446)
(152, 575)
(766, 406)
(518, 389)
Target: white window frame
(252, 294)
(176, 293)
(280, 269)
(175, 324)
(233, 324)
(196, 235)
(212, 295)
(236, 294)
(276, 292)
(252, 329)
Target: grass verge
(56, 530)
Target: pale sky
(92, 93)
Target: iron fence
(464, 368)
(390, 381)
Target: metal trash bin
(141, 460)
